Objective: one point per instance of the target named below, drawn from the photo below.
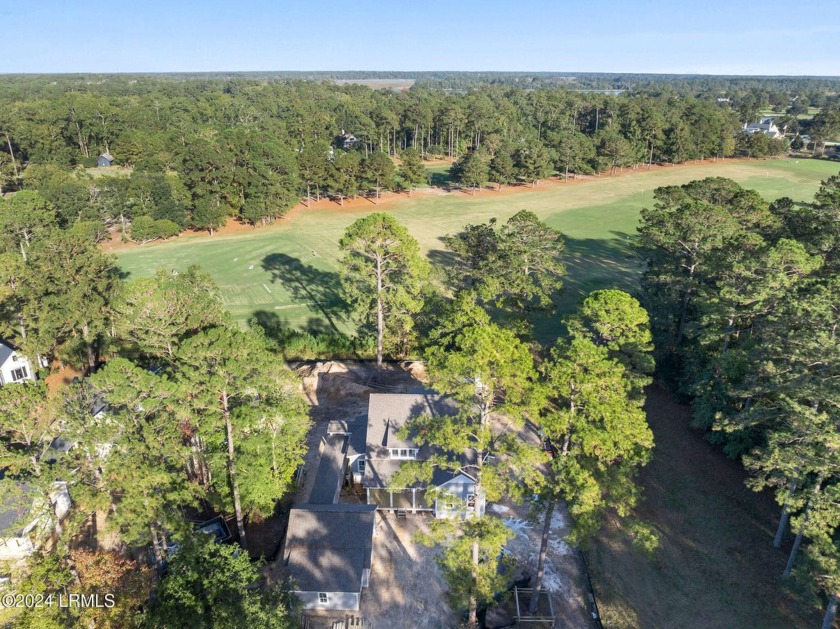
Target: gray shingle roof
(378, 473)
(356, 428)
(388, 412)
(330, 474)
(328, 546)
(327, 569)
(6, 351)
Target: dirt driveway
(406, 587)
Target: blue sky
(713, 36)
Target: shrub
(146, 229)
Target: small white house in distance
(27, 519)
(328, 554)
(767, 126)
(14, 366)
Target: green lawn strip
(294, 262)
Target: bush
(166, 228)
(305, 345)
(644, 537)
(146, 229)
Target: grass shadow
(440, 179)
(714, 564)
(596, 263)
(309, 285)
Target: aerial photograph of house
(420, 316)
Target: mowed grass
(290, 270)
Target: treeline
(744, 302)
(203, 151)
(679, 83)
(442, 79)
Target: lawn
(290, 270)
(812, 111)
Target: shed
(105, 160)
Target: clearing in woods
(289, 270)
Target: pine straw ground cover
(715, 566)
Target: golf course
(290, 268)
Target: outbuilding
(105, 160)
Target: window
(404, 453)
(471, 501)
(323, 598)
(362, 466)
(19, 374)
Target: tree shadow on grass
(591, 264)
(596, 263)
(309, 285)
(441, 179)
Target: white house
(767, 126)
(14, 366)
(27, 519)
(328, 554)
(386, 451)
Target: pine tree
(490, 374)
(382, 275)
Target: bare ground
(406, 587)
(563, 574)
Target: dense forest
(200, 151)
(744, 305)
